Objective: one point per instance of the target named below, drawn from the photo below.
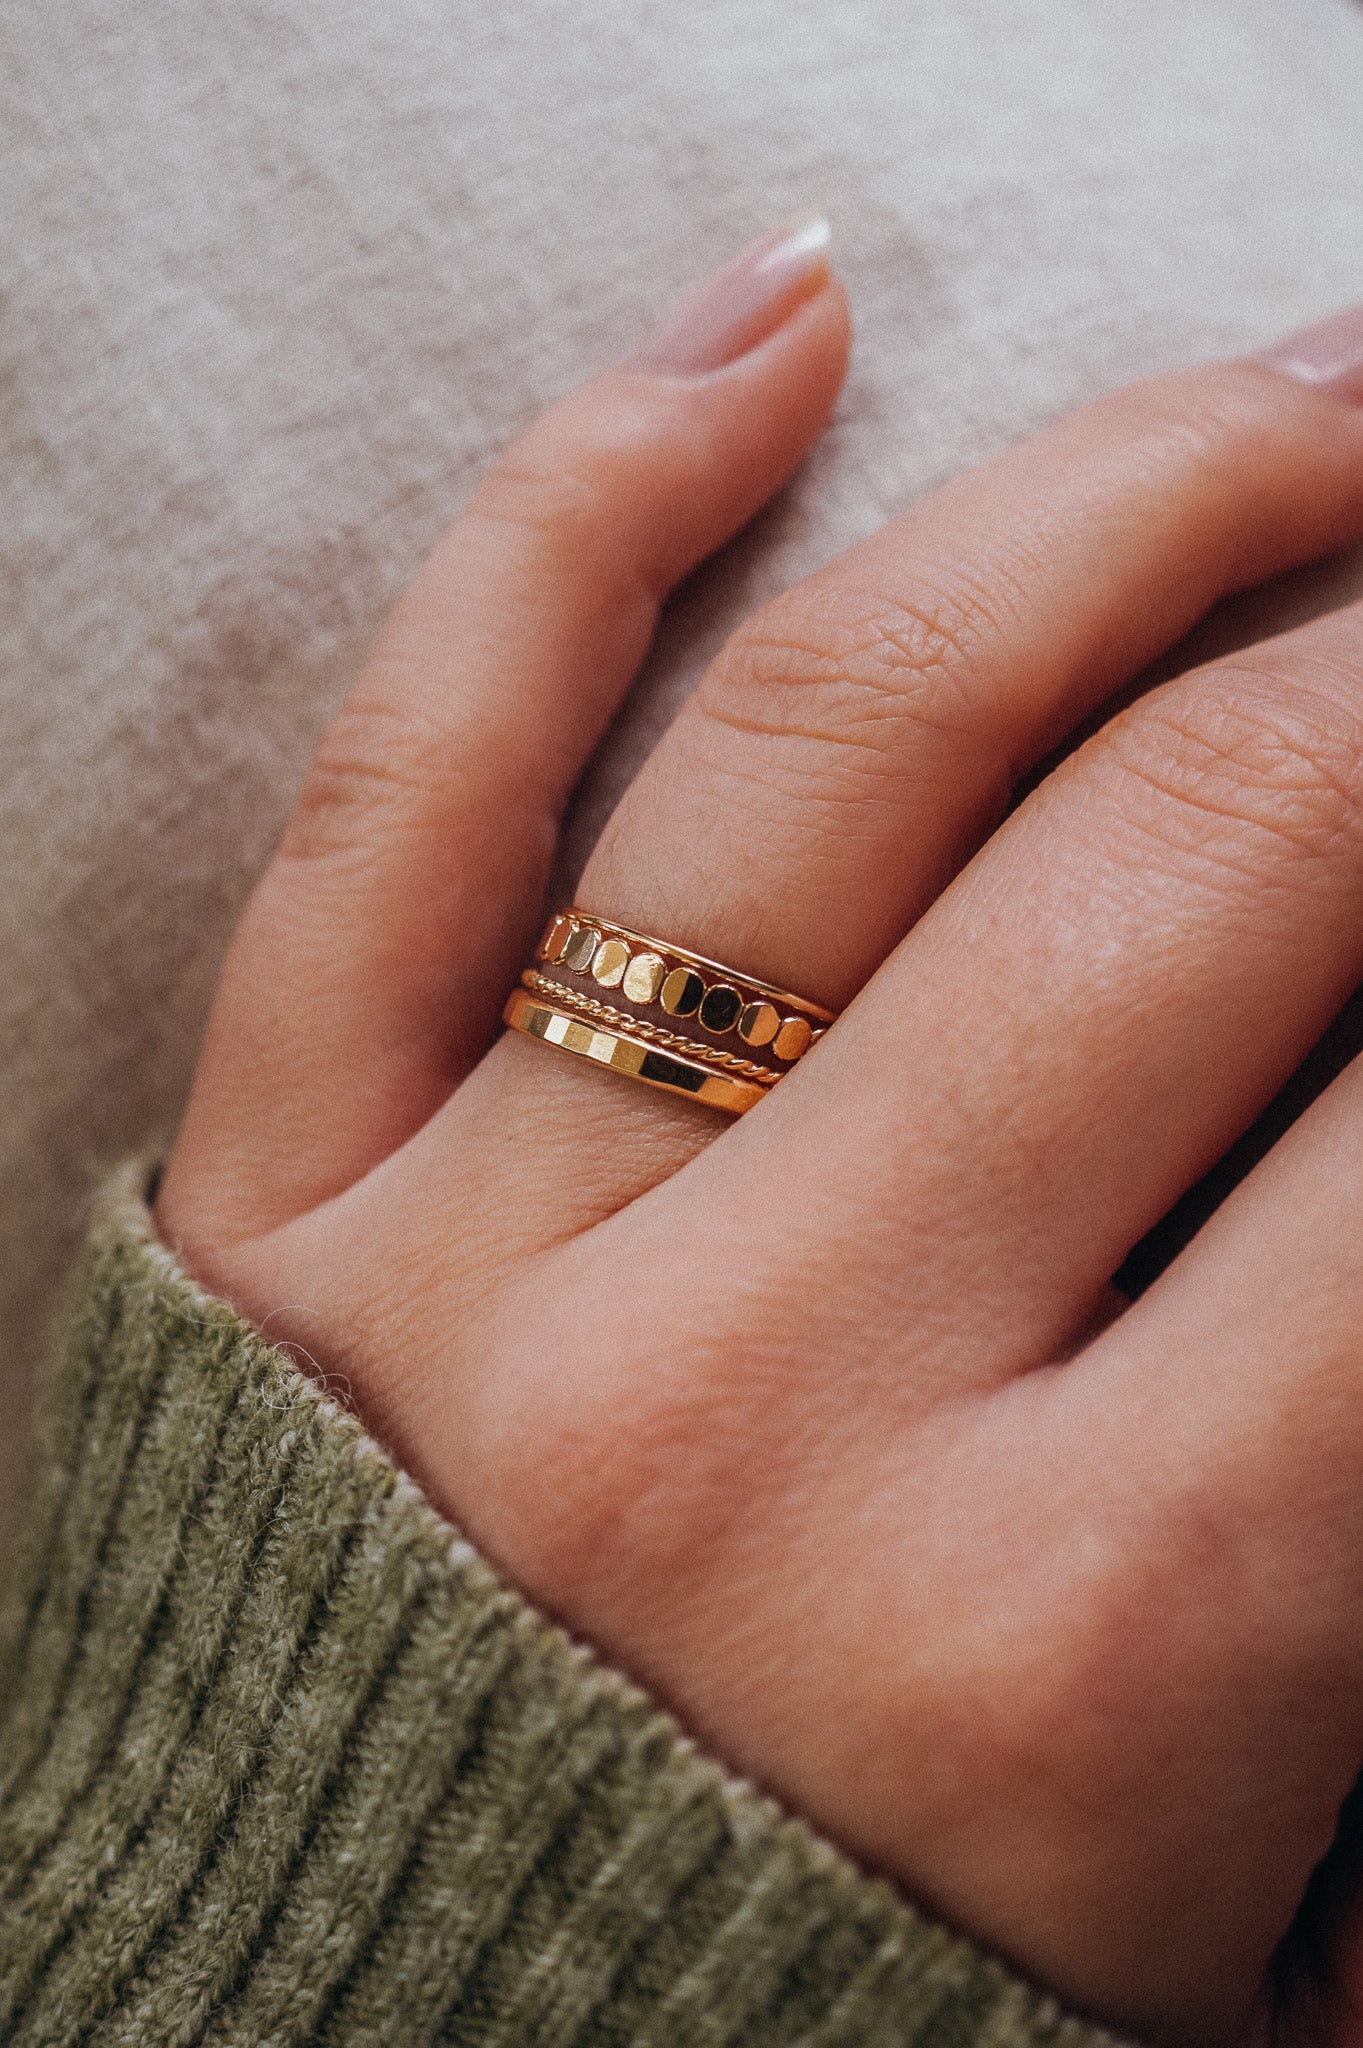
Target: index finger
(372, 962)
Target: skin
(828, 1424)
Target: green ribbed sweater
(283, 1761)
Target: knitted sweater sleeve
(284, 1762)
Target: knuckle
(1114, 1610)
(370, 780)
(1239, 754)
(550, 502)
(565, 513)
(856, 674)
(1204, 414)
(1224, 422)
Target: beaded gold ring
(661, 1013)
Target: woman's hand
(830, 1430)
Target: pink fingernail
(742, 303)
(1328, 355)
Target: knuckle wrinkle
(856, 671)
(1259, 757)
(372, 774)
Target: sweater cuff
(285, 1761)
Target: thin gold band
(623, 1053)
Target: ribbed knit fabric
(284, 1761)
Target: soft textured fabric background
(277, 278)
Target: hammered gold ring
(660, 1013)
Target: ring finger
(858, 739)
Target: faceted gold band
(675, 1005)
(623, 1053)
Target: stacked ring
(672, 1018)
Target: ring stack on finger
(660, 1013)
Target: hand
(825, 1423)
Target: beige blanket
(277, 277)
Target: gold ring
(661, 1013)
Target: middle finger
(1094, 1010)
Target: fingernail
(742, 303)
(1328, 354)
